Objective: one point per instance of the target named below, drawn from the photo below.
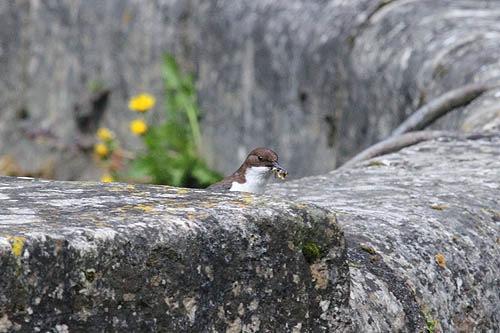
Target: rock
(321, 81)
(312, 80)
(56, 57)
(112, 257)
(422, 233)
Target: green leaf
(171, 148)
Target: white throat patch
(256, 180)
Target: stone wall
(316, 81)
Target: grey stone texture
(316, 81)
(313, 80)
(98, 257)
(398, 211)
(417, 240)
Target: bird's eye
(260, 158)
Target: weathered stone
(314, 80)
(422, 231)
(112, 257)
(54, 54)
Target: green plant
(96, 86)
(310, 252)
(172, 149)
(430, 323)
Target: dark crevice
(89, 113)
(351, 38)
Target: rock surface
(423, 234)
(422, 249)
(311, 79)
(116, 257)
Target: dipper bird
(253, 174)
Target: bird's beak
(279, 171)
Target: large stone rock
(115, 257)
(422, 231)
(422, 250)
(313, 80)
(409, 52)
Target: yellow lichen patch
(355, 265)
(440, 260)
(144, 193)
(301, 205)
(182, 191)
(191, 217)
(17, 244)
(152, 261)
(248, 199)
(483, 229)
(130, 187)
(440, 207)
(243, 206)
(368, 249)
(180, 206)
(490, 212)
(143, 207)
(91, 219)
(207, 205)
(154, 212)
(375, 163)
(124, 209)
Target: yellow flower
(101, 149)
(107, 178)
(141, 103)
(105, 134)
(138, 127)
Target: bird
(253, 175)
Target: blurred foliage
(171, 154)
(96, 86)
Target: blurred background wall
(316, 81)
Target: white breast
(256, 180)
